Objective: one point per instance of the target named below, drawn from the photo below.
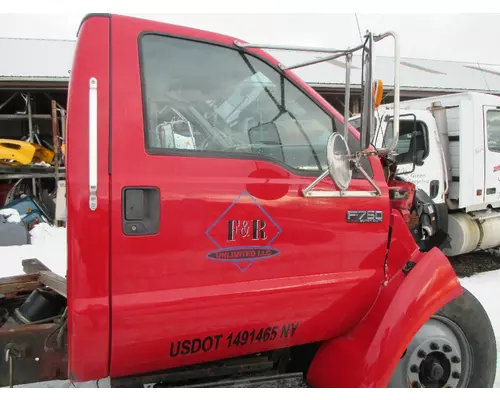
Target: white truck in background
(449, 147)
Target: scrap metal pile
(32, 160)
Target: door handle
(140, 211)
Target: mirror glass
(419, 157)
(339, 164)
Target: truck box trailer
(449, 147)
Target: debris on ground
(12, 231)
(467, 265)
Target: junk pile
(13, 232)
(32, 159)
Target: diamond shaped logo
(243, 234)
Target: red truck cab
(190, 239)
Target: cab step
(291, 380)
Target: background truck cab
(449, 148)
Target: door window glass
(206, 98)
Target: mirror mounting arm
(309, 192)
(358, 166)
(347, 100)
(396, 88)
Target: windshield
(205, 97)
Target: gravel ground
(467, 265)
(291, 383)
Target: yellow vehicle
(18, 152)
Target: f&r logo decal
(244, 229)
(243, 234)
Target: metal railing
(347, 53)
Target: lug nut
(434, 346)
(421, 354)
(414, 368)
(415, 384)
(446, 348)
(455, 375)
(455, 359)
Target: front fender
(368, 355)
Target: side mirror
(339, 160)
(265, 139)
(266, 133)
(419, 158)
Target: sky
(469, 37)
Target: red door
(215, 251)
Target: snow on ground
(11, 214)
(48, 244)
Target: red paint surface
(88, 231)
(135, 302)
(402, 246)
(164, 288)
(403, 205)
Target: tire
(455, 348)
(469, 314)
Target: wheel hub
(432, 367)
(436, 371)
(437, 357)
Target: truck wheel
(456, 347)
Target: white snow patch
(48, 244)
(41, 164)
(11, 214)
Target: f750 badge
(365, 217)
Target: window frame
(231, 155)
